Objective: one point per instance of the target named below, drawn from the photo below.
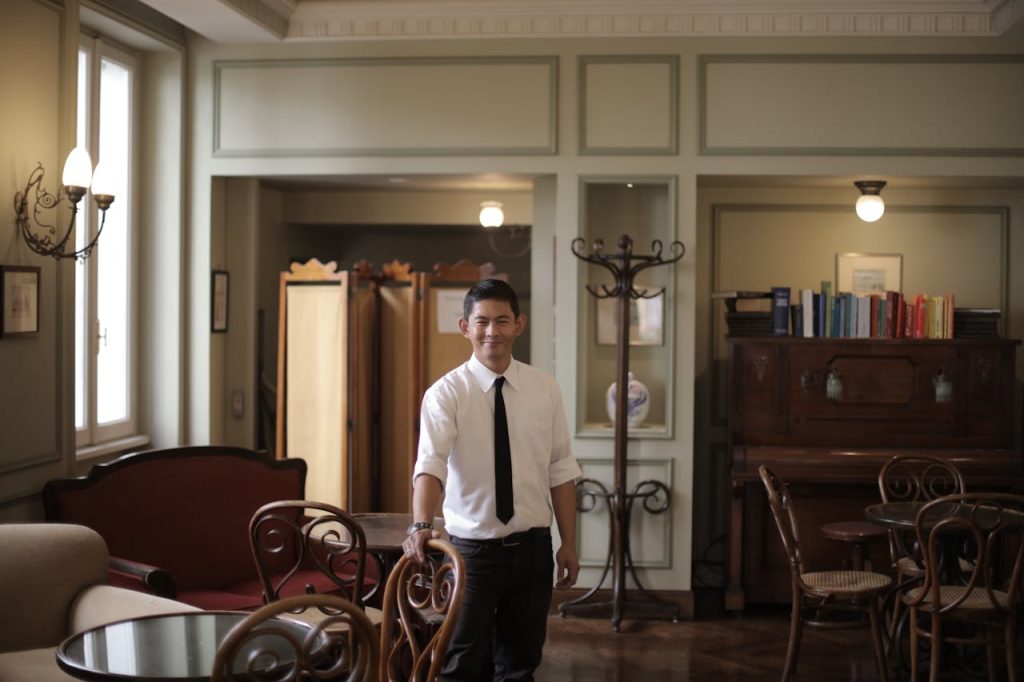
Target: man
(494, 440)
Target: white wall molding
(397, 19)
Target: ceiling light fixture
(78, 174)
(491, 215)
(870, 206)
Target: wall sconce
(870, 206)
(491, 215)
(42, 237)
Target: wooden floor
(715, 646)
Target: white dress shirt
(457, 447)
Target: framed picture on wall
(219, 302)
(646, 321)
(869, 273)
(19, 301)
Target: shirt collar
(485, 377)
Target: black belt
(511, 540)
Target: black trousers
(500, 631)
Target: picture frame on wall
(869, 273)
(219, 302)
(646, 321)
(19, 301)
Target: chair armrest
(105, 604)
(138, 576)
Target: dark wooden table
(177, 646)
(385, 533)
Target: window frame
(92, 434)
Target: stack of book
(747, 313)
(976, 323)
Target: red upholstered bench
(177, 520)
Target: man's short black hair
(489, 288)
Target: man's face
(491, 328)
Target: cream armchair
(52, 585)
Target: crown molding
(450, 19)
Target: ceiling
(234, 21)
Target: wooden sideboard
(827, 413)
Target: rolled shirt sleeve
(564, 467)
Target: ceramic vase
(637, 405)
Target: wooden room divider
(356, 351)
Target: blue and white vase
(638, 402)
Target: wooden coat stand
(655, 495)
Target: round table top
(385, 531)
(903, 515)
(178, 646)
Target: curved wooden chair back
(966, 579)
(781, 504)
(918, 478)
(343, 646)
(915, 478)
(301, 546)
(421, 604)
(982, 525)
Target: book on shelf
(889, 323)
(863, 317)
(819, 315)
(807, 313)
(796, 311)
(900, 324)
(826, 295)
(780, 311)
(976, 323)
(873, 302)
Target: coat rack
(654, 495)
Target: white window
(105, 320)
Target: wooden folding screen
(313, 377)
(356, 352)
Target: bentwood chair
(913, 478)
(421, 604)
(982, 606)
(815, 593)
(301, 546)
(343, 646)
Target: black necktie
(502, 457)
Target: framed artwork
(646, 321)
(869, 273)
(219, 302)
(19, 300)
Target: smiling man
(494, 440)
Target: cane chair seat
(843, 582)
(976, 599)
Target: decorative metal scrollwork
(655, 495)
